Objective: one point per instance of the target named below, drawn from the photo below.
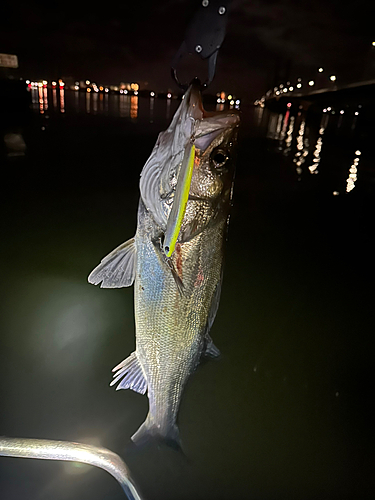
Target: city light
(152, 94)
(135, 92)
(53, 84)
(342, 112)
(311, 83)
(230, 97)
(291, 89)
(373, 44)
(332, 78)
(87, 82)
(356, 113)
(285, 90)
(277, 92)
(231, 102)
(169, 95)
(299, 85)
(320, 70)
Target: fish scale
(177, 334)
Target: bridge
(353, 94)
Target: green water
(287, 412)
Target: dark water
(288, 410)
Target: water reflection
(285, 124)
(168, 114)
(259, 115)
(62, 100)
(272, 125)
(152, 102)
(125, 106)
(76, 101)
(40, 91)
(120, 104)
(352, 177)
(309, 135)
(134, 106)
(302, 147)
(313, 168)
(54, 98)
(289, 136)
(95, 103)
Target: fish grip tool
(204, 37)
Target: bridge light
(311, 83)
(332, 78)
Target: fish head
(209, 138)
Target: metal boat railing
(73, 452)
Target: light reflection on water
(123, 105)
(289, 396)
(299, 135)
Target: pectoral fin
(117, 269)
(131, 375)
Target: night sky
(131, 41)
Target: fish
(175, 259)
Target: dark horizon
(265, 42)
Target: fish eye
(219, 158)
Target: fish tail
(150, 431)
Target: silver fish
(176, 286)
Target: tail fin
(149, 431)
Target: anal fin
(130, 374)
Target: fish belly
(171, 326)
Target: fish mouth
(208, 124)
(206, 127)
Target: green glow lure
(181, 196)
